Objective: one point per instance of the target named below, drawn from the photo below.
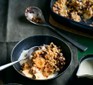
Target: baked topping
(45, 61)
(74, 9)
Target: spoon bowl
(35, 16)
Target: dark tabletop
(15, 27)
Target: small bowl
(85, 68)
(38, 41)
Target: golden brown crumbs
(37, 20)
(48, 59)
(74, 9)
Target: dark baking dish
(77, 25)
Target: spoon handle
(76, 44)
(7, 65)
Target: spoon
(35, 16)
(30, 51)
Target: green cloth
(87, 42)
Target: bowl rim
(71, 54)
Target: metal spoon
(35, 16)
(19, 59)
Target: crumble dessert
(74, 9)
(44, 63)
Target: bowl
(85, 26)
(39, 40)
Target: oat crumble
(48, 59)
(74, 9)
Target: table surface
(15, 27)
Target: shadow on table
(22, 19)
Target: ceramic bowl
(38, 41)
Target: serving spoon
(30, 51)
(35, 16)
